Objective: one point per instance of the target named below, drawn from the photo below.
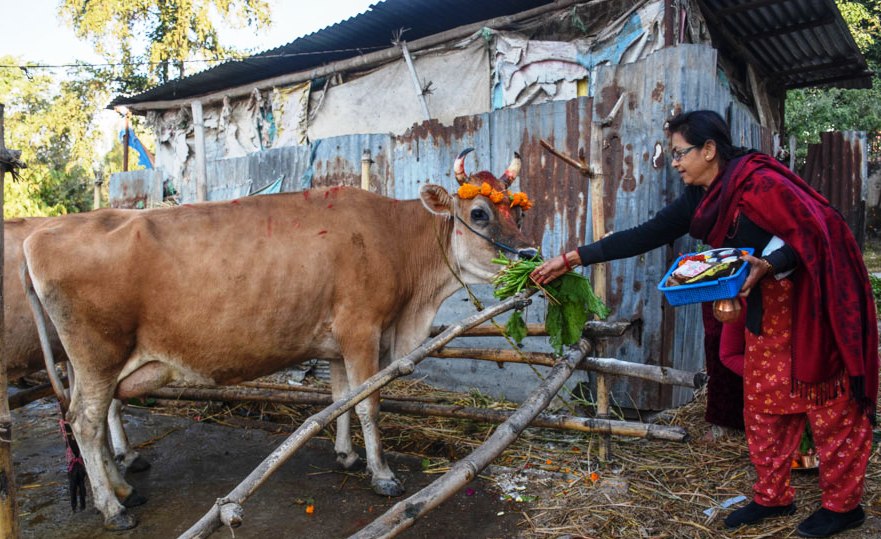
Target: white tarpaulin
(386, 101)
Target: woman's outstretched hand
(555, 267)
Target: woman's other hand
(555, 267)
(758, 268)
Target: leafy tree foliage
(811, 111)
(52, 124)
(176, 32)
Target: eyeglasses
(677, 154)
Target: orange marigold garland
(469, 191)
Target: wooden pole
(366, 160)
(8, 509)
(201, 167)
(231, 503)
(592, 329)
(96, 192)
(404, 513)
(603, 365)
(419, 91)
(125, 140)
(289, 395)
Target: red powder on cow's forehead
(321, 233)
(235, 201)
(330, 206)
(306, 195)
(486, 176)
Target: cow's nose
(527, 254)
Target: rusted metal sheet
(136, 189)
(836, 167)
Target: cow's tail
(45, 344)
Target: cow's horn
(512, 171)
(459, 166)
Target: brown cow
(222, 292)
(22, 353)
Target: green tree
(811, 111)
(52, 124)
(150, 41)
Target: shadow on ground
(194, 463)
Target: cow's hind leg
(123, 452)
(361, 353)
(87, 416)
(345, 453)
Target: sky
(36, 34)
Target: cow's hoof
(387, 487)
(140, 464)
(348, 462)
(120, 521)
(134, 499)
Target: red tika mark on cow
(329, 206)
(235, 201)
(323, 232)
(306, 195)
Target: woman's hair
(699, 126)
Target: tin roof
(366, 32)
(794, 42)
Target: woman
(811, 337)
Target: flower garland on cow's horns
(469, 191)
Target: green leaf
(516, 327)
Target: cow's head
(486, 218)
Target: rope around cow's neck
(474, 300)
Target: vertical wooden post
(201, 170)
(8, 509)
(366, 160)
(96, 192)
(598, 271)
(125, 140)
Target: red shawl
(834, 324)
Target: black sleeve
(783, 259)
(669, 224)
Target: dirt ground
(193, 463)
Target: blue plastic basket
(724, 288)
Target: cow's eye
(479, 215)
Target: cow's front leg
(87, 419)
(360, 348)
(345, 453)
(384, 481)
(123, 452)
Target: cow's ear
(436, 199)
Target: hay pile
(652, 489)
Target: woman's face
(698, 165)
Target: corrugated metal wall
(638, 184)
(837, 168)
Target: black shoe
(824, 522)
(753, 512)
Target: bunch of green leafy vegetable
(571, 301)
